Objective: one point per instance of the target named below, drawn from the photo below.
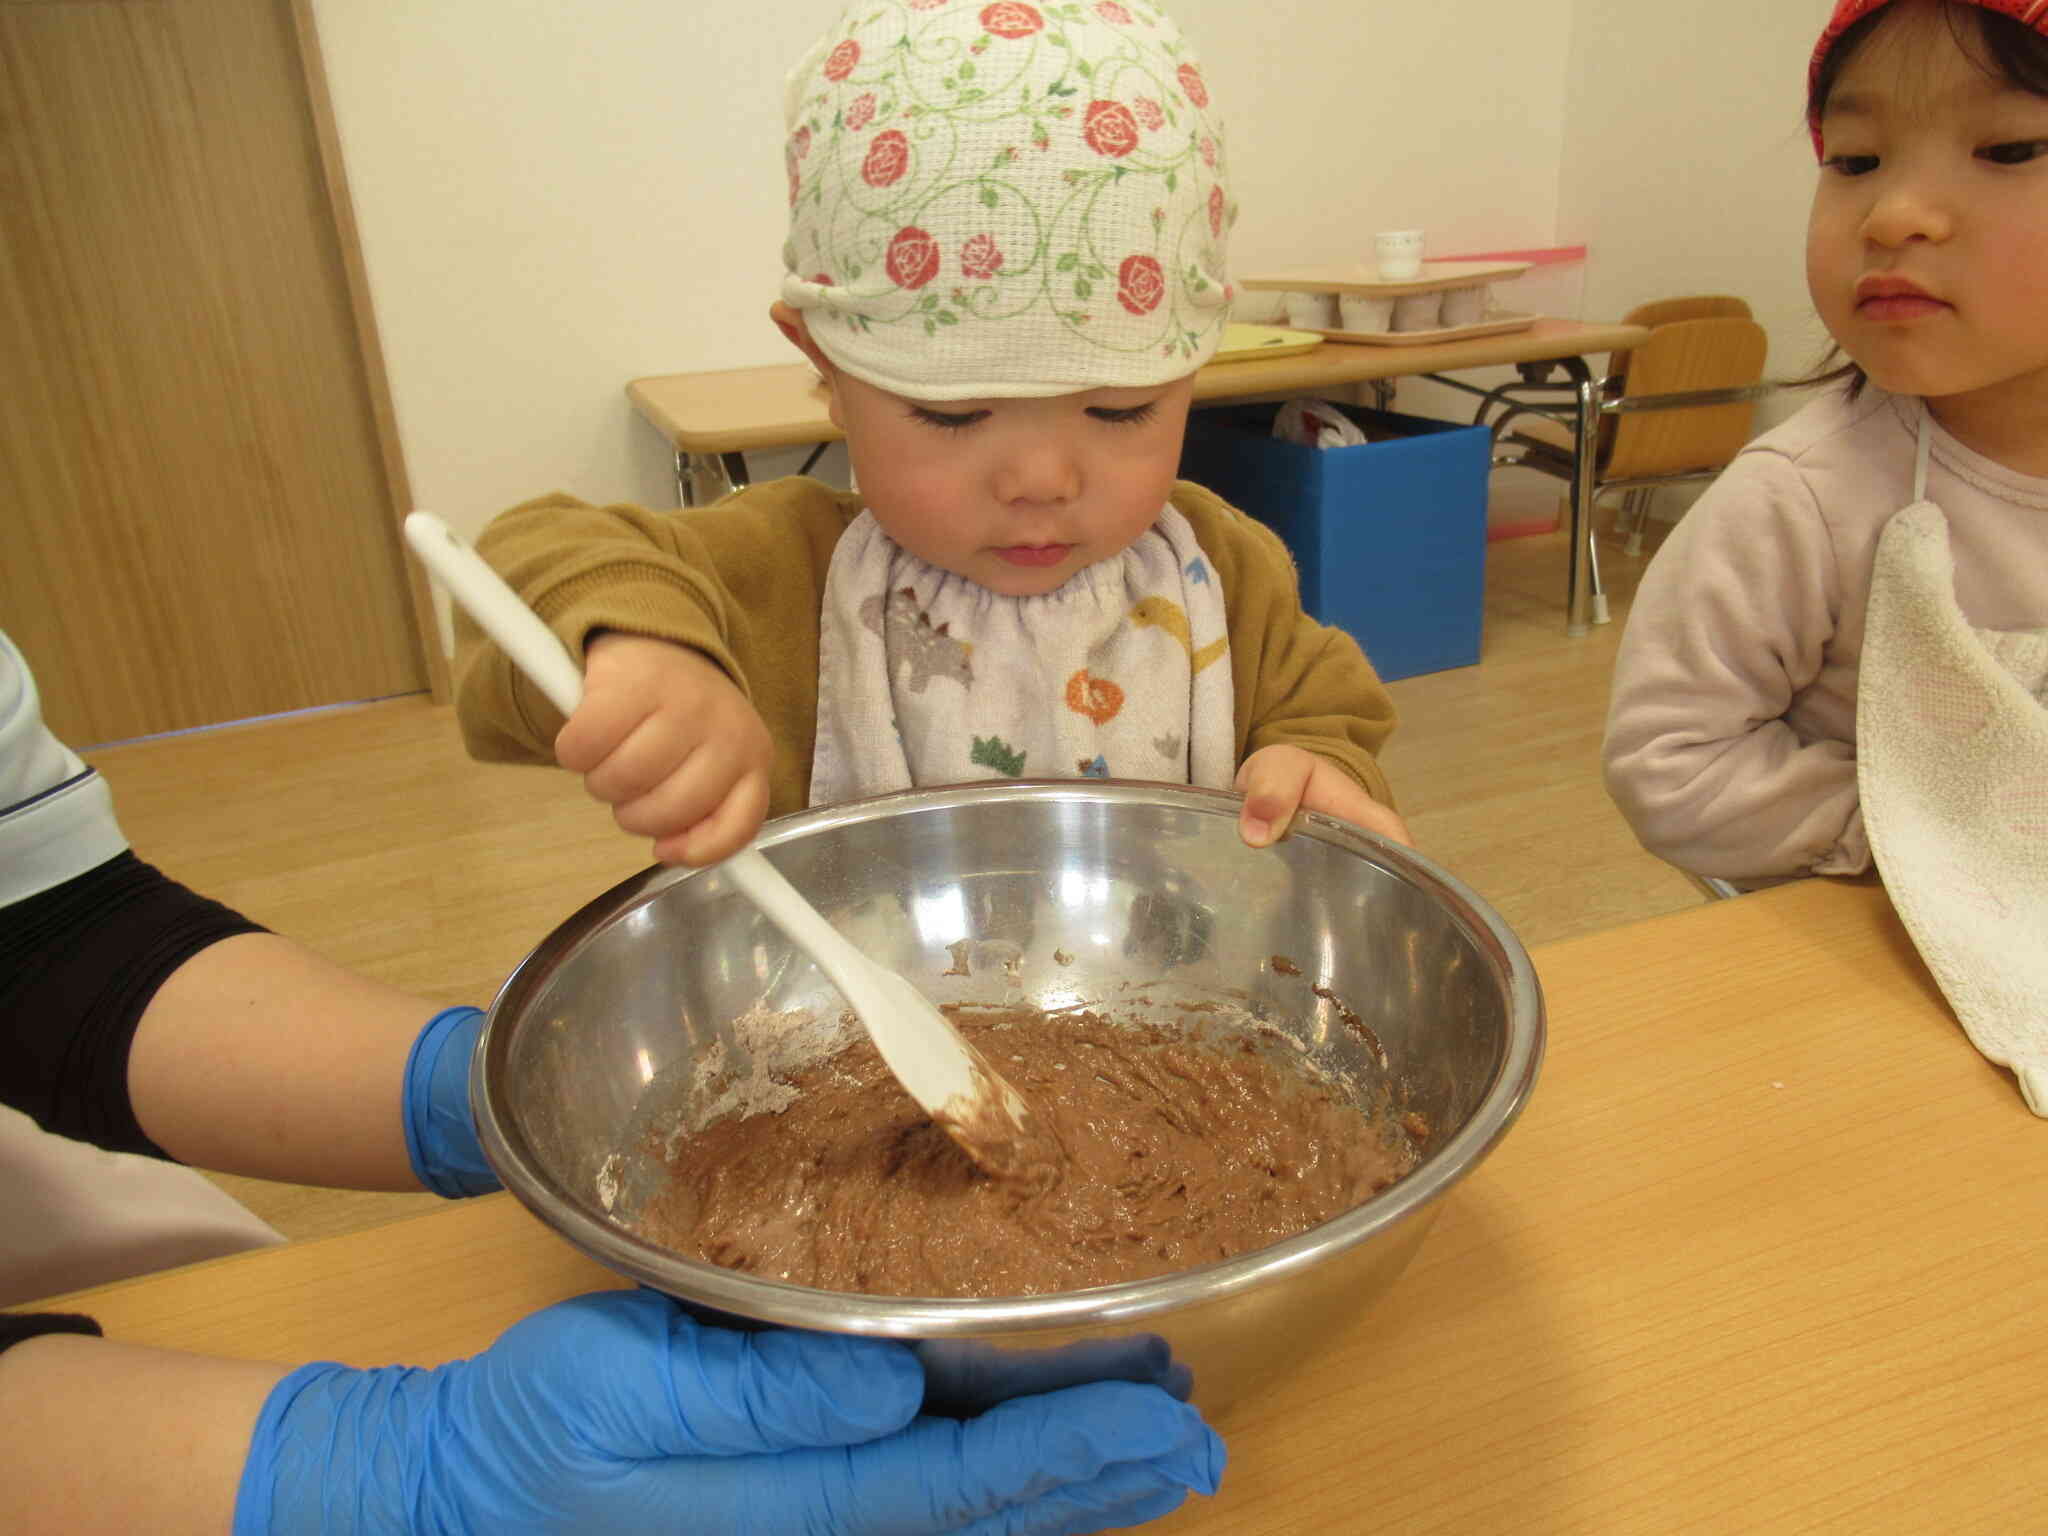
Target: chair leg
(1579, 593)
(1639, 503)
(1595, 590)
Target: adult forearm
(109, 1437)
(259, 1057)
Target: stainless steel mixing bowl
(1382, 969)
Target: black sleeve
(16, 1326)
(78, 965)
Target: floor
(368, 833)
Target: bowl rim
(573, 1217)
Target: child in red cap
(1732, 735)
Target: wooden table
(711, 420)
(1768, 1251)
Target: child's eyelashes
(960, 421)
(947, 421)
(2017, 152)
(1125, 416)
(2010, 152)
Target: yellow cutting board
(1243, 341)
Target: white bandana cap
(1006, 199)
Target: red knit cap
(2032, 13)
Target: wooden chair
(1692, 306)
(1696, 306)
(1677, 408)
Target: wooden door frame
(426, 623)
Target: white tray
(1436, 277)
(1492, 325)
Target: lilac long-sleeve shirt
(1731, 731)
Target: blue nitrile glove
(619, 1413)
(440, 1130)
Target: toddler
(1006, 261)
(1732, 736)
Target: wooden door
(199, 487)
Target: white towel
(1952, 769)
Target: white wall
(1686, 165)
(556, 199)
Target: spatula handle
(497, 609)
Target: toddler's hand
(1277, 781)
(671, 745)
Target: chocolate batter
(1176, 1153)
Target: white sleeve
(56, 814)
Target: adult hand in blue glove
(440, 1128)
(619, 1413)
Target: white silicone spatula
(937, 1066)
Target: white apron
(73, 1216)
(1952, 771)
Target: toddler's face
(1015, 494)
(1929, 234)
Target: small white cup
(1466, 306)
(1312, 311)
(1419, 312)
(1361, 312)
(1399, 254)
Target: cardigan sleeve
(1296, 681)
(740, 581)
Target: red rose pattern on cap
(1140, 285)
(913, 258)
(1011, 18)
(842, 60)
(887, 159)
(979, 257)
(1109, 128)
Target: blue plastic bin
(1390, 536)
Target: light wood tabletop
(739, 410)
(1768, 1251)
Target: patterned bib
(925, 677)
